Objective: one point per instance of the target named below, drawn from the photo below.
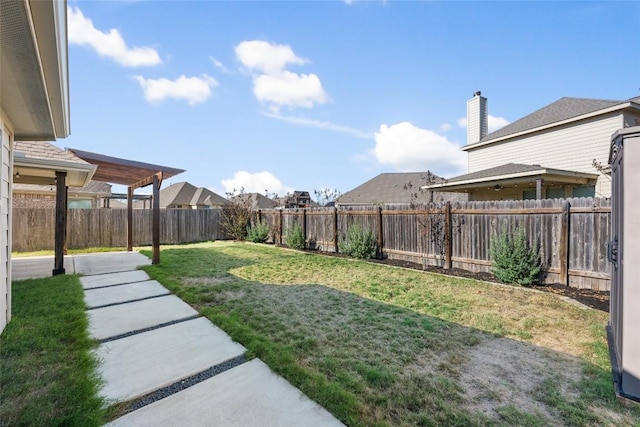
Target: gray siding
(6, 162)
(571, 147)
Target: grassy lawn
(47, 375)
(385, 346)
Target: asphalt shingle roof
(392, 188)
(185, 194)
(506, 169)
(562, 109)
(258, 201)
(45, 150)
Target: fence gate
(623, 251)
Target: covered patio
(514, 181)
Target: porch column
(61, 223)
(539, 188)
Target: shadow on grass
(375, 363)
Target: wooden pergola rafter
(134, 175)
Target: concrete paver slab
(37, 267)
(122, 293)
(109, 262)
(123, 318)
(247, 395)
(109, 279)
(142, 363)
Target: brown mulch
(598, 300)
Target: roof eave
(28, 170)
(547, 174)
(621, 106)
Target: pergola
(134, 175)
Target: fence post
(335, 229)
(447, 236)
(304, 226)
(563, 253)
(280, 226)
(380, 234)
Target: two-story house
(554, 152)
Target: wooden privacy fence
(572, 234)
(33, 228)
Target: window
(584, 191)
(79, 204)
(555, 193)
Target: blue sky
(303, 95)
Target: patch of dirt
(501, 371)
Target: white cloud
(410, 148)
(303, 121)
(109, 44)
(267, 58)
(445, 127)
(194, 90)
(219, 65)
(256, 182)
(494, 124)
(272, 83)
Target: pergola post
(156, 220)
(129, 219)
(61, 222)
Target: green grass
(385, 346)
(47, 374)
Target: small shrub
(515, 261)
(295, 237)
(358, 243)
(258, 233)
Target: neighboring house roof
(257, 200)
(186, 194)
(512, 173)
(92, 189)
(563, 110)
(389, 188)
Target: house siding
(573, 147)
(6, 162)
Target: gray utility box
(623, 331)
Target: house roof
(34, 80)
(186, 194)
(560, 111)
(257, 200)
(512, 173)
(93, 188)
(36, 162)
(388, 188)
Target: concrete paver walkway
(152, 341)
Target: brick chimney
(477, 118)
